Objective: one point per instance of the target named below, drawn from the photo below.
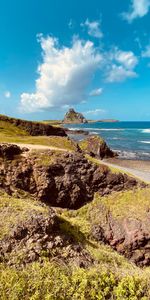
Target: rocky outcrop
(96, 147)
(74, 117)
(34, 128)
(8, 151)
(129, 236)
(42, 236)
(69, 181)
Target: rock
(8, 151)
(40, 236)
(95, 146)
(128, 235)
(74, 117)
(69, 181)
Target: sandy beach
(138, 168)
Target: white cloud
(63, 76)
(138, 9)
(96, 92)
(93, 28)
(7, 94)
(119, 73)
(146, 52)
(120, 65)
(95, 112)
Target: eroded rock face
(127, 235)
(41, 236)
(69, 182)
(96, 147)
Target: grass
(90, 142)
(99, 162)
(45, 157)
(54, 141)
(14, 210)
(111, 277)
(131, 204)
(9, 130)
(10, 133)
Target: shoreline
(137, 168)
(141, 165)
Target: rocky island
(70, 226)
(74, 117)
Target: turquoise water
(130, 139)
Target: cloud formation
(93, 28)
(63, 76)
(7, 94)
(138, 9)
(96, 92)
(146, 52)
(121, 65)
(65, 73)
(94, 112)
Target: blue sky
(90, 55)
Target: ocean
(130, 139)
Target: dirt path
(39, 147)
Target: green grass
(14, 210)
(129, 204)
(111, 277)
(9, 130)
(45, 157)
(53, 282)
(90, 142)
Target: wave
(127, 154)
(144, 142)
(94, 132)
(105, 129)
(74, 128)
(146, 130)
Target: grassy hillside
(11, 133)
(110, 277)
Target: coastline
(138, 168)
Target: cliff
(74, 117)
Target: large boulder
(96, 147)
(74, 117)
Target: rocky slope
(40, 236)
(122, 221)
(33, 128)
(74, 117)
(72, 250)
(60, 179)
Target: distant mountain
(74, 117)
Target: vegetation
(14, 210)
(110, 277)
(53, 282)
(90, 142)
(45, 157)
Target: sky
(93, 56)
